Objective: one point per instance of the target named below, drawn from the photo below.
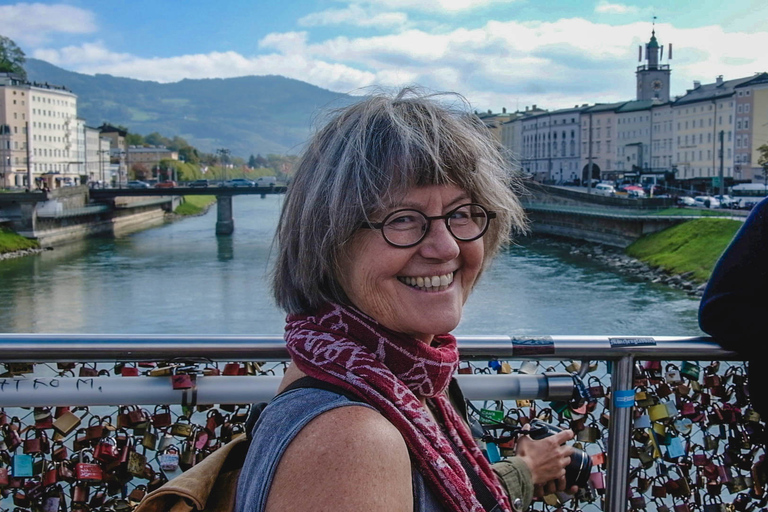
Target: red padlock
(87, 471)
(129, 371)
(232, 369)
(161, 418)
(182, 381)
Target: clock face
(656, 85)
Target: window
(746, 108)
(746, 124)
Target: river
(181, 279)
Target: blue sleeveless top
(278, 424)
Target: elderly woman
(397, 207)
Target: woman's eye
(462, 214)
(402, 219)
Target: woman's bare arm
(347, 459)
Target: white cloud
(34, 24)
(605, 7)
(355, 15)
(94, 58)
(503, 63)
(439, 5)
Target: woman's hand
(546, 459)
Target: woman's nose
(439, 243)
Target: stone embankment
(23, 252)
(616, 259)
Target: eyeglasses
(407, 227)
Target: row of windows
(689, 156)
(596, 147)
(52, 101)
(44, 152)
(51, 113)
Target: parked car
(686, 201)
(605, 189)
(707, 202)
(138, 184)
(727, 201)
(199, 184)
(239, 182)
(166, 184)
(634, 191)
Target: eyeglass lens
(408, 227)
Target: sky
(497, 53)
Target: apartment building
(598, 141)
(662, 138)
(751, 128)
(39, 133)
(704, 137)
(150, 156)
(548, 144)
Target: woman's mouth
(428, 283)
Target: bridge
(225, 223)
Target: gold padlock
(658, 412)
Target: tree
(763, 161)
(12, 59)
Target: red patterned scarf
(390, 371)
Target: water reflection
(181, 278)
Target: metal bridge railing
(619, 352)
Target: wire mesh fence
(662, 431)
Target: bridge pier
(225, 224)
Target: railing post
(225, 224)
(619, 434)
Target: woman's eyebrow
(464, 197)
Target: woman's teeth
(429, 283)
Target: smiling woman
(396, 208)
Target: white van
(604, 189)
(266, 181)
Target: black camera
(577, 471)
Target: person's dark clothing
(735, 303)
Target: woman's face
(379, 278)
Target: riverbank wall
(573, 213)
(66, 215)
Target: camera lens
(578, 469)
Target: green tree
(134, 139)
(763, 160)
(12, 59)
(252, 162)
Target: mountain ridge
(247, 115)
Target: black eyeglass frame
(380, 225)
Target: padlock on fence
(182, 379)
(86, 469)
(169, 458)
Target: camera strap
(483, 494)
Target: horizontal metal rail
(54, 391)
(39, 348)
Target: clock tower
(653, 77)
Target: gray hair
(365, 157)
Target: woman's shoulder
(344, 459)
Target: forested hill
(247, 115)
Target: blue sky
(498, 53)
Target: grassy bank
(692, 246)
(11, 241)
(194, 205)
